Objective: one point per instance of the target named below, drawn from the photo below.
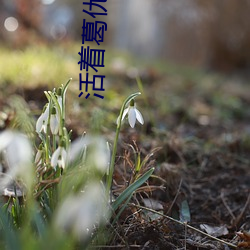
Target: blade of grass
(122, 209)
(128, 191)
(11, 239)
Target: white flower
(133, 114)
(54, 121)
(17, 152)
(79, 214)
(42, 122)
(39, 154)
(59, 157)
(98, 152)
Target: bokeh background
(193, 57)
(212, 34)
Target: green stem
(59, 111)
(65, 87)
(54, 142)
(47, 140)
(112, 163)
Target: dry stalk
(184, 224)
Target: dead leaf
(245, 236)
(152, 204)
(215, 231)
(155, 205)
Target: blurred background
(193, 58)
(212, 34)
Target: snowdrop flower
(59, 157)
(39, 154)
(42, 122)
(79, 214)
(17, 152)
(98, 152)
(59, 97)
(133, 114)
(54, 121)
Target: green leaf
(122, 209)
(184, 212)
(65, 87)
(129, 190)
(138, 163)
(39, 222)
(10, 236)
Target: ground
(197, 124)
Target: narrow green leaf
(138, 163)
(122, 209)
(10, 235)
(129, 190)
(65, 87)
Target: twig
(185, 242)
(184, 224)
(227, 207)
(175, 198)
(116, 246)
(239, 217)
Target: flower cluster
(50, 116)
(51, 130)
(83, 200)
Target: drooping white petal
(55, 156)
(125, 112)
(132, 117)
(39, 123)
(139, 116)
(62, 161)
(38, 156)
(59, 157)
(54, 124)
(123, 115)
(44, 127)
(42, 121)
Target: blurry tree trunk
(229, 35)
